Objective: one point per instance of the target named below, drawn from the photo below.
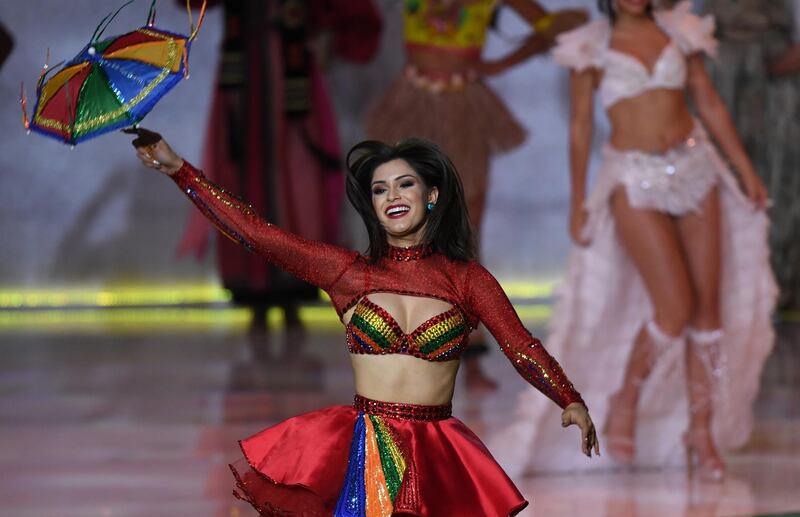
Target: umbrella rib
(107, 84)
(70, 126)
(73, 123)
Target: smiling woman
(400, 200)
(406, 195)
(408, 308)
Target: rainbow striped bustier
(372, 330)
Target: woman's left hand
(576, 413)
(754, 189)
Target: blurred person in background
(272, 134)
(757, 74)
(669, 284)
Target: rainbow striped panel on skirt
(375, 471)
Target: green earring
(430, 206)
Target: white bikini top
(624, 76)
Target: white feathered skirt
(603, 304)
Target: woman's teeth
(397, 210)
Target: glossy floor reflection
(143, 423)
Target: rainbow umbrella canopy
(112, 83)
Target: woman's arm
(319, 264)
(487, 300)
(546, 26)
(546, 23)
(581, 126)
(716, 118)
(788, 63)
(533, 44)
(489, 303)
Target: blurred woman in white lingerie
(665, 311)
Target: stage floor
(143, 423)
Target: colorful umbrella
(111, 83)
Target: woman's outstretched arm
(489, 303)
(716, 118)
(546, 25)
(317, 263)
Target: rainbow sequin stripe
(373, 330)
(375, 470)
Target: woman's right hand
(577, 222)
(154, 151)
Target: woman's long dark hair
(607, 7)
(447, 229)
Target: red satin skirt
(373, 459)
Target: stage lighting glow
(125, 320)
(143, 309)
(178, 294)
(114, 296)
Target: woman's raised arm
(317, 263)
(546, 27)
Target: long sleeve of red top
(315, 262)
(492, 307)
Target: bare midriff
(400, 377)
(404, 378)
(437, 60)
(654, 121)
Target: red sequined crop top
(348, 277)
